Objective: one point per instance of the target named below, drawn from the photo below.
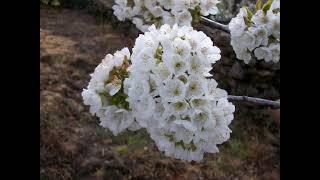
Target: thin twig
(265, 102)
(214, 24)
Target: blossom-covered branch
(265, 102)
(254, 35)
(215, 24)
(166, 90)
(144, 13)
(164, 85)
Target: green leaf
(247, 21)
(275, 11)
(55, 3)
(258, 5)
(250, 14)
(266, 6)
(122, 149)
(195, 13)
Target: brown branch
(254, 100)
(215, 24)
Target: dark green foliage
(52, 3)
(75, 3)
(80, 4)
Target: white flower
(140, 24)
(92, 99)
(116, 119)
(260, 19)
(261, 34)
(247, 41)
(237, 26)
(242, 12)
(119, 56)
(275, 5)
(162, 71)
(176, 64)
(196, 86)
(173, 100)
(134, 126)
(167, 4)
(197, 66)
(121, 10)
(213, 92)
(179, 107)
(101, 74)
(227, 109)
(146, 59)
(105, 95)
(209, 7)
(203, 119)
(173, 90)
(254, 36)
(183, 18)
(206, 50)
(274, 24)
(168, 18)
(181, 5)
(143, 108)
(195, 39)
(144, 13)
(156, 11)
(181, 47)
(275, 50)
(199, 103)
(183, 130)
(263, 53)
(242, 54)
(137, 89)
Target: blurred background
(75, 35)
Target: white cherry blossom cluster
(171, 95)
(144, 13)
(105, 95)
(257, 34)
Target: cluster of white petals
(165, 85)
(105, 95)
(257, 34)
(171, 95)
(144, 13)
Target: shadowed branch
(254, 100)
